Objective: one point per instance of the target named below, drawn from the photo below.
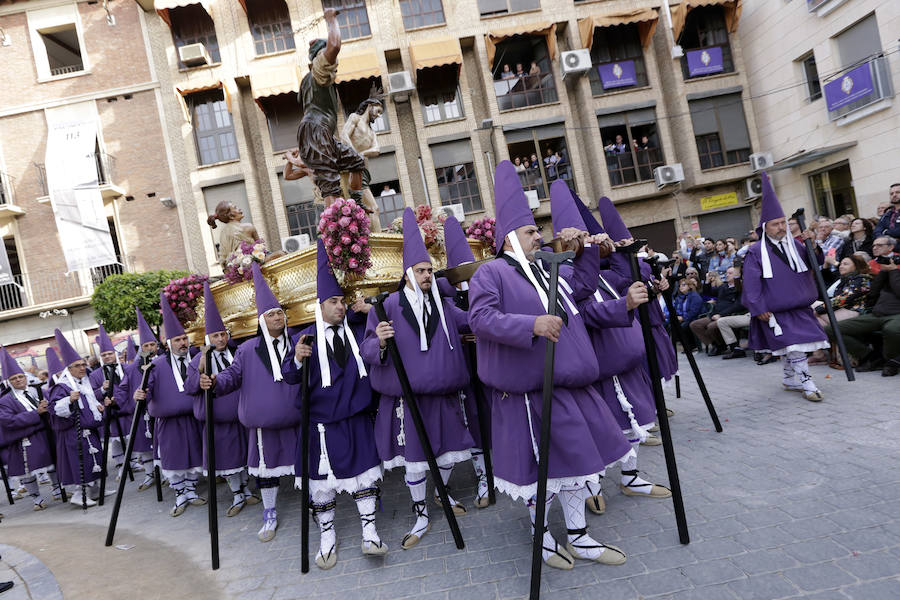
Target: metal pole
(304, 461)
(483, 428)
(211, 463)
(3, 476)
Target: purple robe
(67, 465)
(16, 424)
(230, 437)
(438, 377)
(787, 295)
(586, 438)
(265, 407)
(97, 377)
(344, 409)
(124, 397)
(177, 431)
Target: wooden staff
(79, 443)
(206, 364)
(304, 459)
(5, 479)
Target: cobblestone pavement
(793, 499)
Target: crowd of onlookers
(556, 166)
(858, 258)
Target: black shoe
(736, 352)
(6, 586)
(890, 368)
(717, 350)
(870, 365)
(772, 358)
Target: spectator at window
(688, 304)
(889, 223)
(720, 260)
(728, 302)
(507, 72)
(526, 164)
(884, 302)
(860, 240)
(388, 190)
(848, 297)
(535, 163)
(534, 75)
(550, 163)
(883, 251)
(520, 72)
(520, 168)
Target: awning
(435, 53)
(164, 6)
(807, 156)
(182, 93)
(681, 10)
(354, 67)
(646, 19)
(243, 4)
(284, 80)
(544, 28)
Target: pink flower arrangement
(183, 295)
(344, 229)
(483, 230)
(432, 229)
(238, 267)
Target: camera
(887, 260)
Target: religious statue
(358, 134)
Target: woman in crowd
(860, 240)
(688, 304)
(848, 297)
(721, 260)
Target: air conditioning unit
(753, 187)
(194, 55)
(401, 84)
(534, 202)
(761, 161)
(576, 62)
(295, 242)
(668, 174)
(456, 210)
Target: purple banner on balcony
(617, 74)
(854, 85)
(705, 61)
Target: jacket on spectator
(850, 246)
(721, 263)
(728, 301)
(688, 306)
(885, 295)
(889, 224)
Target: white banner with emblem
(72, 180)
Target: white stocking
(572, 499)
(324, 515)
(416, 484)
(365, 504)
(269, 495)
(478, 464)
(788, 378)
(445, 477)
(800, 364)
(549, 545)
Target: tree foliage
(115, 299)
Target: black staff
(661, 415)
(110, 414)
(410, 398)
(823, 295)
(554, 259)
(79, 443)
(304, 459)
(211, 462)
(139, 408)
(151, 426)
(112, 375)
(51, 442)
(5, 479)
(483, 428)
(675, 327)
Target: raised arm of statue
(334, 35)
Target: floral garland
(432, 229)
(183, 295)
(483, 230)
(344, 228)
(238, 266)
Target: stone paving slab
(792, 500)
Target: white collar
(83, 386)
(790, 249)
(322, 352)
(20, 396)
(418, 308)
(267, 340)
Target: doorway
(832, 191)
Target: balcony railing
(633, 166)
(706, 66)
(532, 179)
(857, 87)
(7, 189)
(526, 90)
(106, 171)
(64, 70)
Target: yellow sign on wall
(718, 201)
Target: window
(191, 24)
(7, 187)
(299, 203)
(720, 130)
(421, 13)
(270, 25)
(865, 77)
(859, 42)
(522, 73)
(631, 145)
(705, 43)
(282, 115)
(63, 50)
(11, 295)
(353, 93)
(353, 18)
(541, 156)
(501, 7)
(213, 127)
(811, 75)
(616, 45)
(438, 89)
(455, 171)
(385, 186)
(832, 191)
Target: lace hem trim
(444, 460)
(323, 490)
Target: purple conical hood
(770, 208)
(103, 340)
(130, 349)
(593, 226)
(510, 203)
(458, 250)
(66, 351)
(563, 209)
(9, 365)
(54, 365)
(613, 223)
(265, 299)
(414, 251)
(171, 325)
(145, 334)
(212, 321)
(326, 283)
